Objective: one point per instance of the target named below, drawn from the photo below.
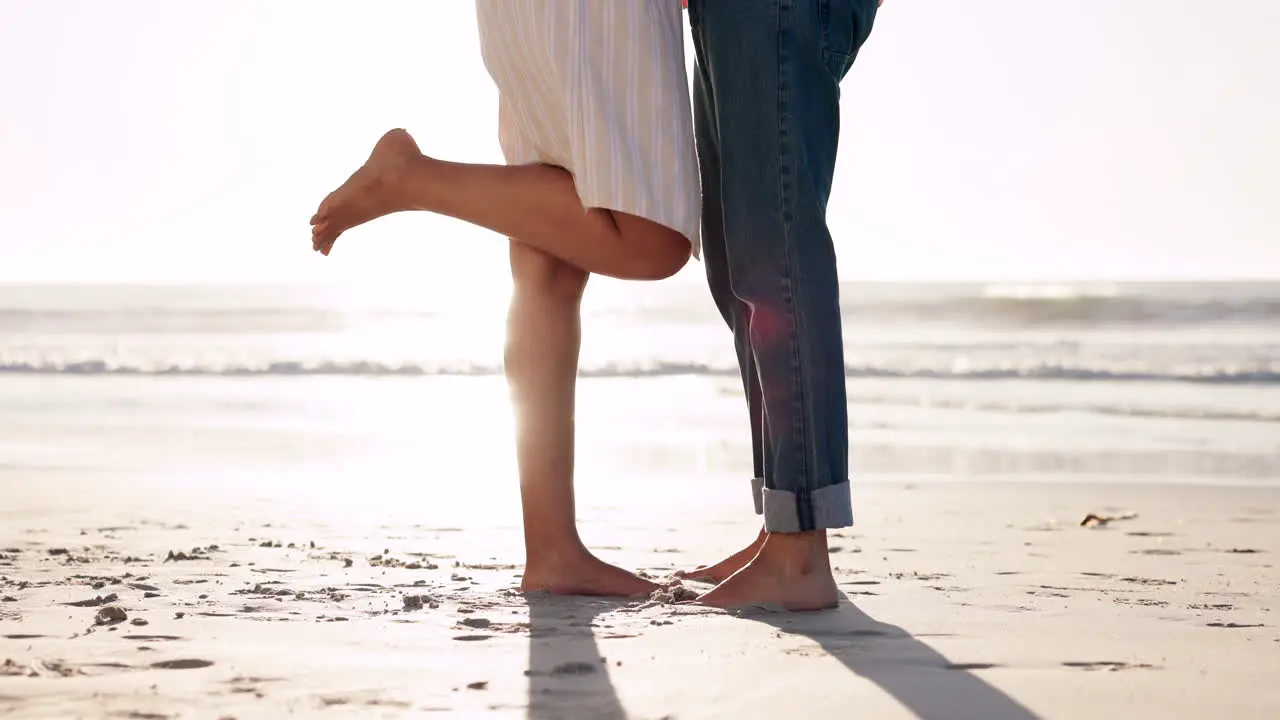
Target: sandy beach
(963, 600)
(310, 510)
(242, 480)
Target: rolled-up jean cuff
(831, 507)
(757, 494)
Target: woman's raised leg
(536, 203)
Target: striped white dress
(599, 88)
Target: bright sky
(1004, 139)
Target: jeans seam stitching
(804, 511)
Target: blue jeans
(767, 118)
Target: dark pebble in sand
(110, 615)
(476, 622)
(57, 551)
(138, 621)
(478, 685)
(8, 598)
(179, 615)
(417, 602)
(150, 594)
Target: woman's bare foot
(581, 573)
(791, 571)
(371, 192)
(719, 572)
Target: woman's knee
(538, 273)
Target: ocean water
(274, 386)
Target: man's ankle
(804, 552)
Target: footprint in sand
(59, 668)
(94, 601)
(1148, 581)
(184, 664)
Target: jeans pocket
(846, 24)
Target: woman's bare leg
(536, 203)
(543, 341)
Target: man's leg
(774, 70)
(544, 336)
(736, 313)
(538, 204)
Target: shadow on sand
(906, 668)
(568, 678)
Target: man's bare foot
(792, 571)
(719, 572)
(581, 573)
(371, 192)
